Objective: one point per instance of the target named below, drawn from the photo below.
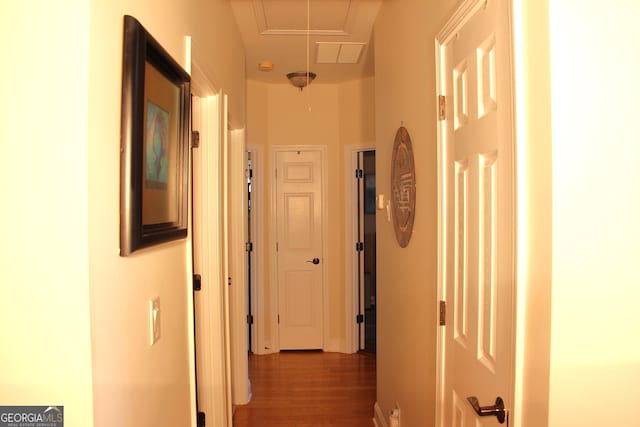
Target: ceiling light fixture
(300, 79)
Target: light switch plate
(154, 320)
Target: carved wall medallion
(403, 187)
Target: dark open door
(367, 256)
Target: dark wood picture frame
(154, 143)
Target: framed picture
(154, 143)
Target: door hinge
(201, 420)
(229, 281)
(360, 318)
(197, 282)
(359, 246)
(250, 319)
(250, 173)
(249, 246)
(443, 313)
(278, 319)
(277, 247)
(359, 173)
(195, 139)
(442, 107)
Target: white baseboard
(378, 419)
(333, 345)
(264, 351)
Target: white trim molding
(210, 310)
(378, 416)
(238, 293)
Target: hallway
(303, 389)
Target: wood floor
(304, 389)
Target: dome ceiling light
(300, 79)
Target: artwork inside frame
(154, 143)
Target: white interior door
(299, 249)
(477, 248)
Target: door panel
(298, 304)
(478, 210)
(298, 221)
(299, 237)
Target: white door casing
(299, 224)
(476, 212)
(212, 351)
(224, 233)
(238, 292)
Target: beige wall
(405, 94)
(45, 350)
(357, 112)
(577, 275)
(595, 356)
(341, 114)
(74, 314)
(149, 384)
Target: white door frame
(327, 346)
(258, 254)
(224, 232)
(351, 235)
(465, 11)
(213, 374)
(238, 268)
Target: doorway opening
(366, 248)
(250, 253)
(255, 233)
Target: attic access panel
(289, 17)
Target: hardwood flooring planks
(308, 389)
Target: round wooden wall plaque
(403, 187)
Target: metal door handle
(485, 411)
(315, 261)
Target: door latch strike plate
(195, 139)
(442, 107)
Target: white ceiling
(275, 30)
